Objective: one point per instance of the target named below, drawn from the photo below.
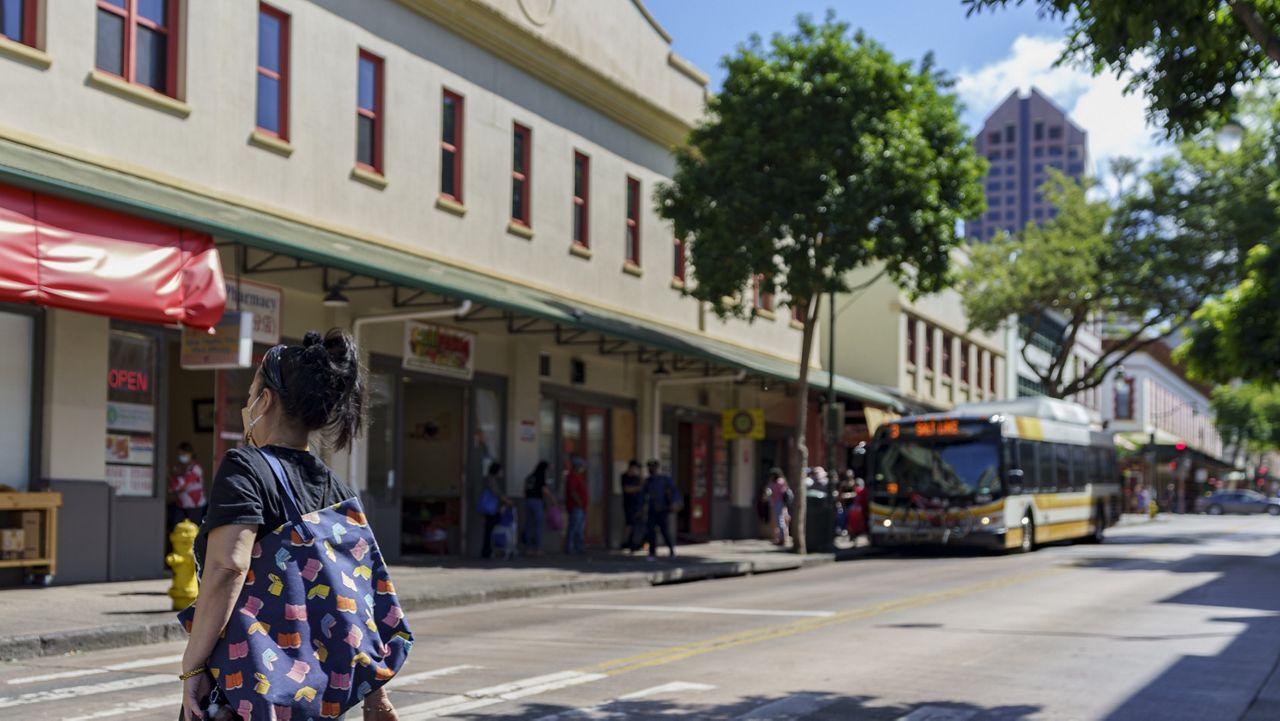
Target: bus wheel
(1028, 535)
(1099, 526)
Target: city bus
(1004, 475)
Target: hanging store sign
(229, 344)
(435, 349)
(743, 424)
(263, 301)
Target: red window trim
(455, 147)
(759, 298)
(376, 114)
(633, 221)
(281, 77)
(582, 203)
(678, 271)
(526, 160)
(131, 20)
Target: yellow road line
(671, 654)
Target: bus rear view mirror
(1013, 480)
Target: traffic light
(1180, 446)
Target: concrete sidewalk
(65, 619)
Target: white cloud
(1116, 122)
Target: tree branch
(1253, 23)
(1122, 350)
(1060, 362)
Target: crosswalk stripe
(797, 706)
(146, 704)
(613, 708)
(90, 690)
(425, 675)
(698, 609)
(493, 695)
(126, 666)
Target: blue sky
(989, 55)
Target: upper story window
(991, 375)
(581, 199)
(964, 362)
(946, 355)
(928, 347)
(1039, 130)
(1055, 132)
(1124, 399)
(977, 374)
(911, 341)
(369, 112)
(451, 146)
(678, 261)
(761, 299)
(1009, 134)
(633, 221)
(137, 40)
(273, 71)
(521, 173)
(18, 21)
(993, 138)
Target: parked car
(1237, 502)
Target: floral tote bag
(318, 626)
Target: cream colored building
(488, 165)
(920, 350)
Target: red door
(700, 487)
(584, 433)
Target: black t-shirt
(245, 491)
(534, 486)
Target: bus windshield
(937, 470)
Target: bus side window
(1045, 468)
(1030, 472)
(1081, 467)
(1099, 467)
(1063, 453)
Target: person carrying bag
(297, 616)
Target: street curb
(137, 634)
(1266, 705)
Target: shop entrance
(693, 476)
(432, 466)
(584, 433)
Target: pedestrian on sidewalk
(492, 500)
(537, 495)
(186, 488)
(662, 498)
(632, 506)
(286, 541)
(577, 498)
(779, 495)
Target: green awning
(31, 167)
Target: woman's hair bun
(325, 385)
(311, 338)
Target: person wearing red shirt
(186, 488)
(576, 499)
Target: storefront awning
(60, 253)
(77, 179)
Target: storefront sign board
(134, 417)
(130, 480)
(130, 449)
(264, 301)
(229, 345)
(528, 431)
(436, 349)
(743, 424)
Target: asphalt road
(1175, 619)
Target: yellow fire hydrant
(1153, 509)
(183, 562)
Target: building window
(1076, 169)
(451, 146)
(1008, 134)
(521, 173)
(1038, 152)
(993, 138)
(928, 347)
(135, 40)
(991, 375)
(18, 21)
(581, 199)
(964, 362)
(1009, 154)
(369, 115)
(1039, 131)
(273, 71)
(1055, 132)
(1008, 215)
(911, 341)
(995, 170)
(678, 262)
(1009, 185)
(977, 376)
(760, 298)
(633, 221)
(946, 355)
(1124, 400)
(993, 200)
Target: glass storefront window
(131, 413)
(16, 378)
(381, 434)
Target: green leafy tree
(1238, 335)
(1245, 417)
(1126, 260)
(821, 154)
(1187, 56)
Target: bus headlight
(986, 521)
(888, 522)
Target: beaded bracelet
(192, 673)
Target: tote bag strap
(292, 509)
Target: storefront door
(584, 433)
(693, 475)
(432, 465)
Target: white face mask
(247, 422)
(184, 458)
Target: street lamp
(1230, 136)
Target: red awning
(64, 254)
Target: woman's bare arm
(225, 564)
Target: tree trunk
(1253, 23)
(801, 461)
